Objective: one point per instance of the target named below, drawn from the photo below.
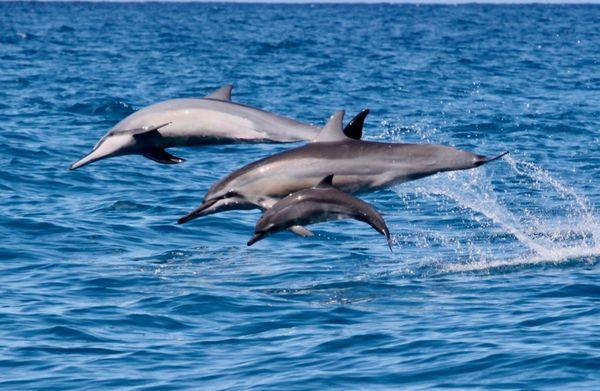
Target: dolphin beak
(256, 238)
(106, 147)
(481, 160)
(91, 157)
(198, 212)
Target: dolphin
(316, 205)
(359, 166)
(214, 119)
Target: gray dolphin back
(318, 204)
(214, 119)
(359, 166)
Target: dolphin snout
(198, 212)
(108, 146)
(87, 159)
(257, 236)
(76, 165)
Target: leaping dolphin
(316, 205)
(359, 166)
(214, 119)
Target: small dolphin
(359, 166)
(214, 119)
(316, 205)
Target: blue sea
(494, 282)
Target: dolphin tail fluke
(256, 238)
(354, 129)
(389, 241)
(162, 156)
(483, 160)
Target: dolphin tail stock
(484, 159)
(382, 228)
(376, 222)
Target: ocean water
(494, 279)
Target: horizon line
(316, 2)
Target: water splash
(552, 223)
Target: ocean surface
(494, 281)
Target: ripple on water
(115, 108)
(493, 282)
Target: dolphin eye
(232, 193)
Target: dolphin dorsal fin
(223, 93)
(354, 129)
(333, 129)
(325, 182)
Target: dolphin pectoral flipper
(354, 129)
(162, 156)
(301, 231)
(267, 202)
(145, 131)
(159, 155)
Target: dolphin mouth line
(82, 161)
(196, 212)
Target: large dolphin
(359, 166)
(214, 119)
(316, 205)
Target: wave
(15, 37)
(114, 107)
(551, 224)
(560, 256)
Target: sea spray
(565, 229)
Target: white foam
(556, 257)
(557, 225)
